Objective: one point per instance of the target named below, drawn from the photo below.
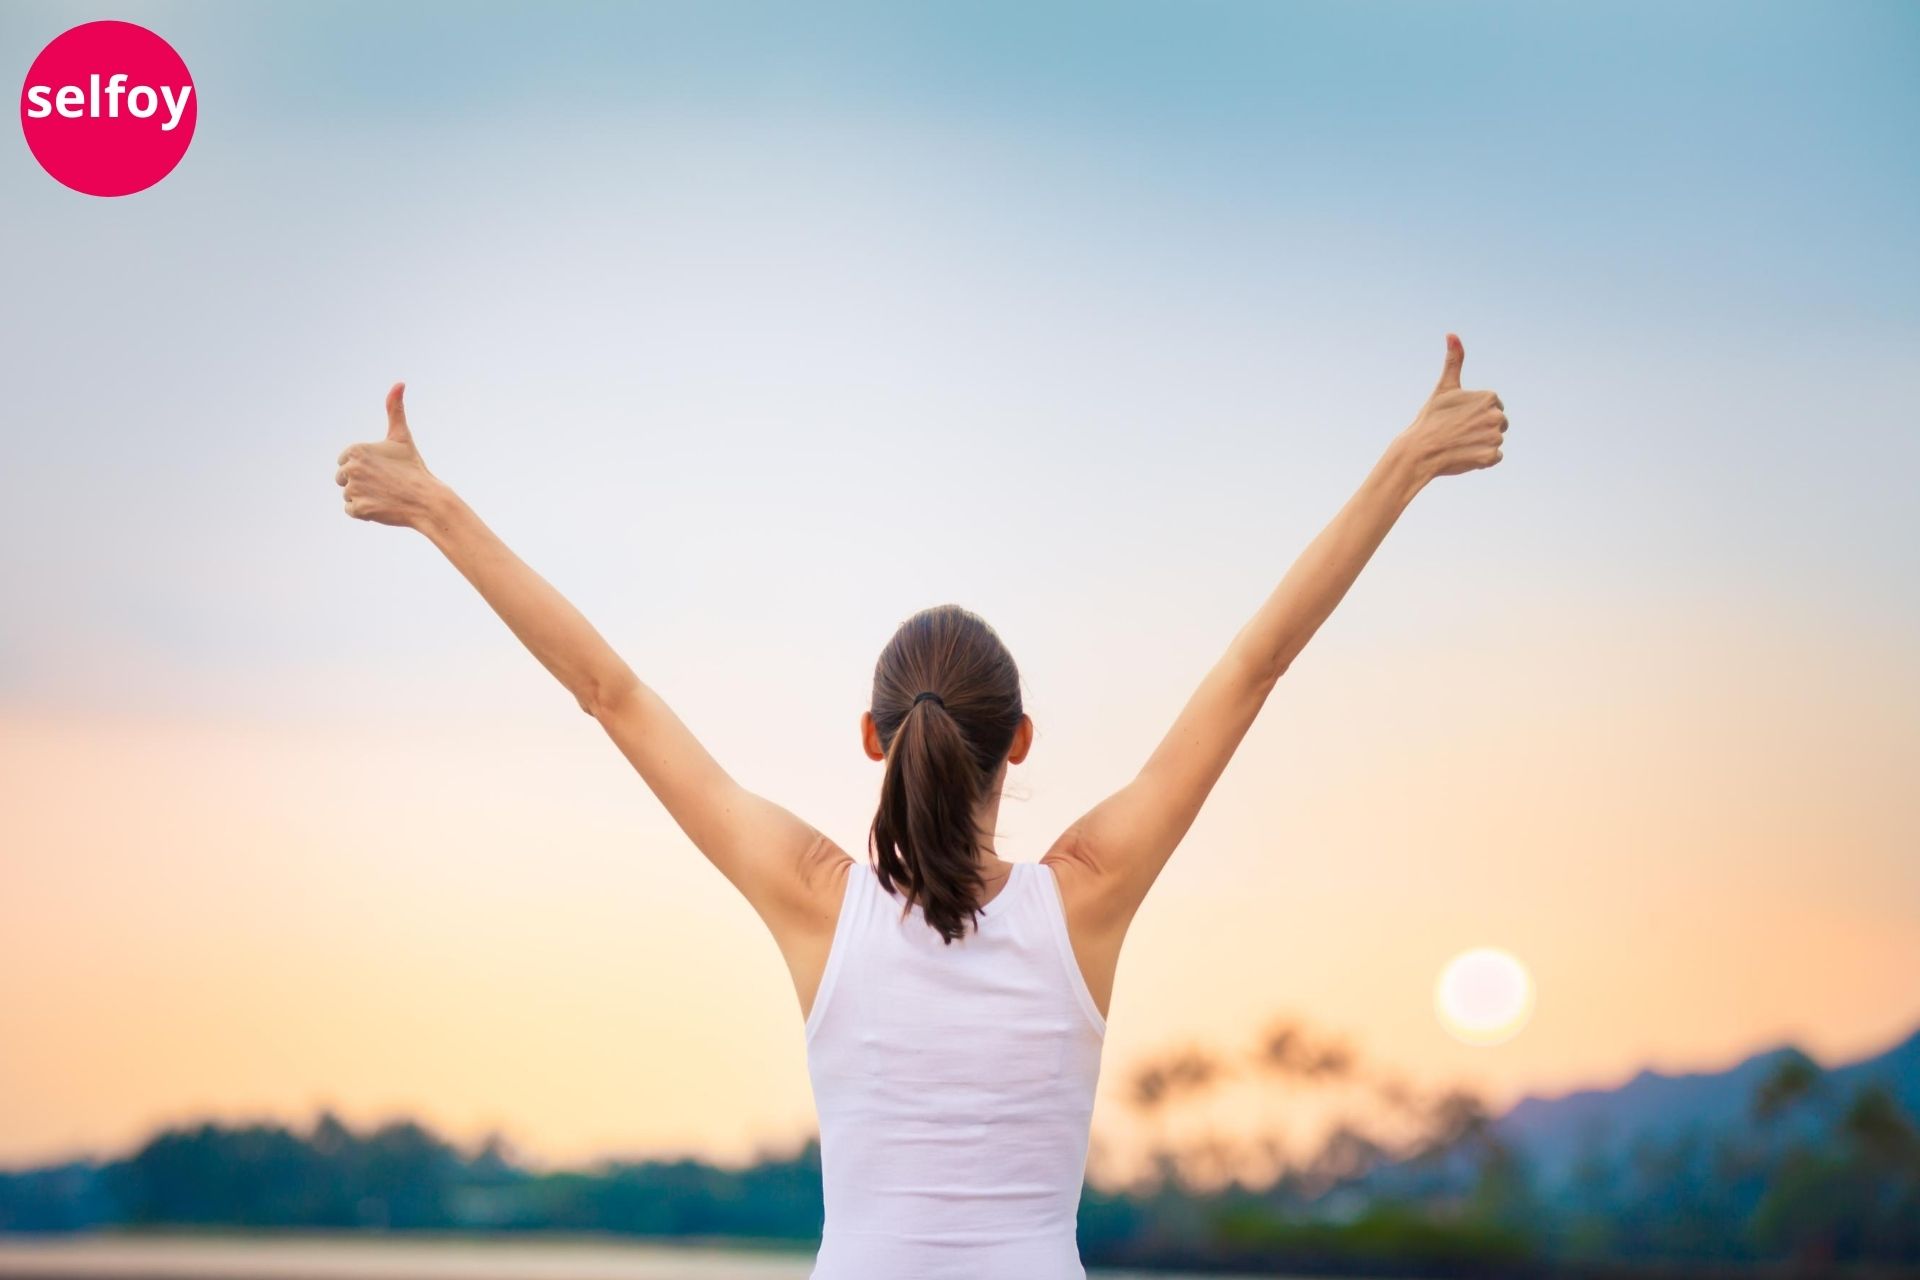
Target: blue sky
(881, 246)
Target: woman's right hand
(1456, 431)
(387, 481)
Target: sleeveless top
(955, 1088)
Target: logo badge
(108, 108)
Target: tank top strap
(1055, 909)
(857, 905)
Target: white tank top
(955, 1087)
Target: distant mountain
(1557, 1135)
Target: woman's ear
(1022, 740)
(870, 737)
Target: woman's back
(955, 1086)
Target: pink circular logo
(108, 108)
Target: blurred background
(757, 328)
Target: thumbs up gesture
(386, 481)
(1456, 431)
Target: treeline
(1819, 1169)
(1811, 1178)
(403, 1177)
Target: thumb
(397, 415)
(1450, 371)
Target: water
(386, 1258)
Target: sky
(756, 329)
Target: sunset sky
(756, 330)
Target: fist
(386, 481)
(1457, 431)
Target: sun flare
(1484, 996)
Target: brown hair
(942, 752)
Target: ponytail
(946, 703)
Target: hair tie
(919, 698)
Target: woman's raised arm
(777, 861)
(1111, 856)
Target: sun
(1484, 996)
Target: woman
(954, 1003)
